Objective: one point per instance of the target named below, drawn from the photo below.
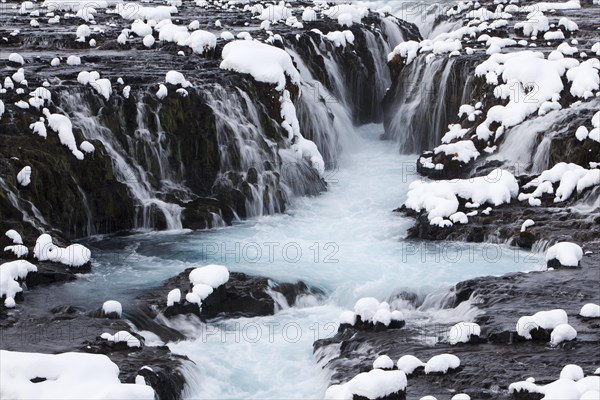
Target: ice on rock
(407, 50)
(568, 254)
(442, 363)
(176, 78)
(14, 236)
(10, 272)
(122, 337)
(211, 275)
(265, 63)
(383, 362)
(542, 319)
(374, 384)
(462, 332)
(590, 310)
(24, 176)
(173, 297)
(112, 306)
(409, 364)
(68, 376)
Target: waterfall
(127, 167)
(422, 105)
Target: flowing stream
(346, 242)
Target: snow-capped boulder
(564, 254)
(590, 311)
(442, 363)
(383, 362)
(112, 309)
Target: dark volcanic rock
(499, 357)
(243, 295)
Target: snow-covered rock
(542, 319)
(211, 275)
(24, 176)
(16, 58)
(265, 63)
(462, 332)
(566, 254)
(10, 272)
(18, 250)
(374, 384)
(408, 364)
(590, 311)
(442, 363)
(112, 308)
(383, 362)
(67, 375)
(562, 333)
(14, 236)
(176, 78)
(173, 297)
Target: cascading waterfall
(128, 169)
(421, 107)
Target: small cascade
(424, 101)
(541, 158)
(36, 221)
(127, 167)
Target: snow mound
(374, 384)
(440, 198)
(18, 250)
(16, 58)
(10, 272)
(543, 319)
(62, 125)
(572, 372)
(173, 297)
(462, 332)
(383, 362)
(24, 176)
(75, 255)
(14, 236)
(408, 364)
(200, 41)
(211, 275)
(68, 375)
(176, 78)
(442, 363)
(562, 333)
(568, 254)
(590, 311)
(112, 306)
(265, 63)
